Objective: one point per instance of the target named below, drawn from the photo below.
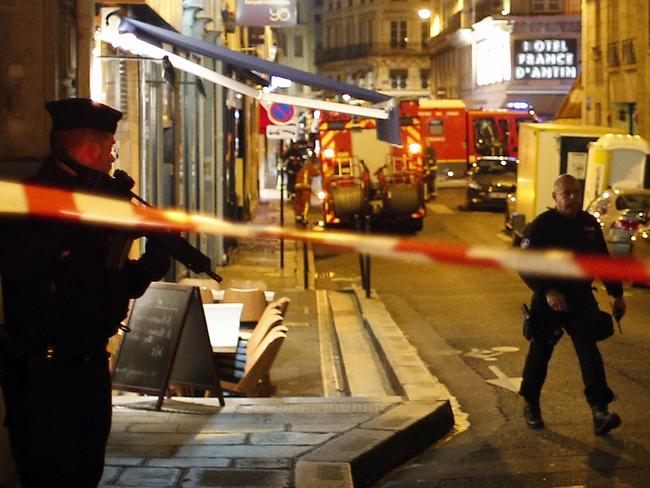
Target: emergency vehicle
(437, 135)
(400, 188)
(549, 150)
(457, 135)
(346, 185)
(391, 177)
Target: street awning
(145, 39)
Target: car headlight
(474, 185)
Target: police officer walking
(559, 305)
(64, 295)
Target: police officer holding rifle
(65, 289)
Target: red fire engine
(456, 136)
(438, 136)
(389, 179)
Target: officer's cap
(82, 113)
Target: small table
(223, 321)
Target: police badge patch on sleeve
(525, 242)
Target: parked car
(490, 180)
(621, 213)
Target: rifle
(120, 184)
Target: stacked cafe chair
(255, 353)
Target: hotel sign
(545, 59)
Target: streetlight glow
(424, 13)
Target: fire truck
(355, 163)
(346, 186)
(456, 136)
(439, 136)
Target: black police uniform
(581, 234)
(62, 301)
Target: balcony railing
(356, 51)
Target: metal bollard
(305, 262)
(282, 214)
(367, 260)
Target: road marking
(295, 324)
(439, 208)
(489, 354)
(505, 349)
(485, 355)
(503, 381)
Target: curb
(363, 455)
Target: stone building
(296, 45)
(615, 66)
(498, 53)
(376, 44)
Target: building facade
(296, 45)
(499, 53)
(615, 65)
(377, 44)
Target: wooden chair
(228, 363)
(271, 309)
(202, 282)
(258, 366)
(204, 290)
(281, 304)
(253, 299)
(261, 330)
(233, 364)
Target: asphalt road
(466, 325)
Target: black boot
(533, 415)
(603, 420)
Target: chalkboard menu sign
(168, 341)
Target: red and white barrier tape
(28, 200)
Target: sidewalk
(310, 433)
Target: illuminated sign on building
(545, 59)
(493, 63)
(274, 13)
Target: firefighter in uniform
(293, 160)
(64, 295)
(559, 305)
(304, 178)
